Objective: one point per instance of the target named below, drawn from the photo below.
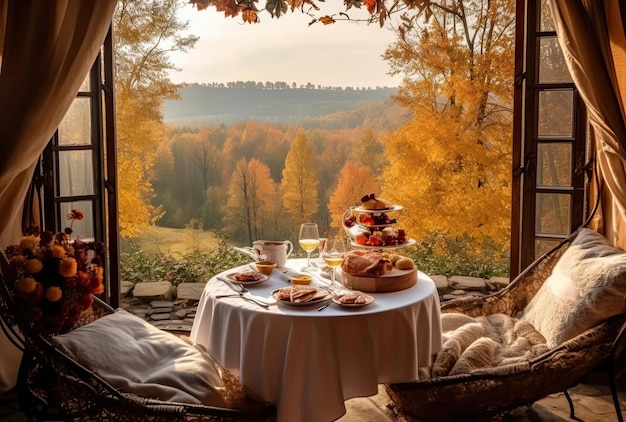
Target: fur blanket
(471, 344)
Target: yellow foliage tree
(251, 194)
(300, 182)
(145, 33)
(450, 164)
(354, 182)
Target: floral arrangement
(55, 277)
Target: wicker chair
(489, 393)
(53, 386)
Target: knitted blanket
(471, 344)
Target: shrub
(189, 267)
(438, 253)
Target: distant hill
(326, 108)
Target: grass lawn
(175, 241)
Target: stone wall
(173, 308)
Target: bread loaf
(366, 263)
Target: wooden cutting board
(391, 281)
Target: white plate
(260, 278)
(382, 210)
(409, 242)
(329, 295)
(370, 299)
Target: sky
(285, 49)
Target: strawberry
(361, 239)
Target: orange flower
(75, 215)
(99, 289)
(25, 285)
(99, 273)
(34, 266)
(57, 251)
(29, 242)
(54, 294)
(58, 295)
(68, 267)
(82, 277)
(18, 260)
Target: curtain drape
(591, 35)
(46, 50)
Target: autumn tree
(207, 158)
(450, 164)
(370, 151)
(250, 198)
(354, 182)
(300, 183)
(145, 32)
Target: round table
(308, 362)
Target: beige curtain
(46, 50)
(591, 34)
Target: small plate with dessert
(302, 295)
(248, 278)
(353, 299)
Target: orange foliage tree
(354, 182)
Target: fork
(243, 292)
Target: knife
(244, 294)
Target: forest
(448, 162)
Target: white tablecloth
(308, 362)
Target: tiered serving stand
(391, 281)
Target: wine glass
(333, 254)
(309, 239)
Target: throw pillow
(586, 287)
(136, 357)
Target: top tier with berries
(370, 225)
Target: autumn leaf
(326, 20)
(229, 7)
(371, 6)
(276, 7)
(250, 16)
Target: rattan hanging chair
(488, 393)
(52, 385)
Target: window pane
(545, 17)
(75, 129)
(75, 173)
(555, 113)
(554, 164)
(82, 229)
(85, 86)
(553, 213)
(544, 245)
(552, 67)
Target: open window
(549, 145)
(77, 170)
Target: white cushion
(136, 357)
(586, 287)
